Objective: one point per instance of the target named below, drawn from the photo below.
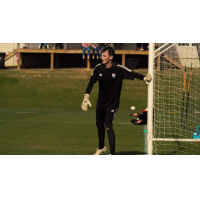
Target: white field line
(146, 142)
(25, 112)
(53, 113)
(16, 112)
(59, 122)
(176, 139)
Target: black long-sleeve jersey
(110, 82)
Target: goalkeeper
(110, 76)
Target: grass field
(40, 114)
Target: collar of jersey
(113, 65)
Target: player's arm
(86, 101)
(129, 74)
(146, 78)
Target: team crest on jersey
(113, 75)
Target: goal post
(174, 99)
(150, 99)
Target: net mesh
(176, 114)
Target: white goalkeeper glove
(86, 102)
(147, 78)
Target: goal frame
(150, 100)
(150, 137)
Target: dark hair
(110, 50)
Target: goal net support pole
(165, 49)
(150, 100)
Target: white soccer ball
(132, 107)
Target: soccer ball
(132, 107)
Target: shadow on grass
(130, 153)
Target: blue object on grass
(196, 133)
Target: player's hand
(148, 78)
(86, 102)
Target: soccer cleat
(100, 151)
(139, 122)
(134, 114)
(133, 121)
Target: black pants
(105, 116)
(143, 116)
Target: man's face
(106, 58)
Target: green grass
(40, 114)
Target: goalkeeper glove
(147, 78)
(86, 102)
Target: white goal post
(150, 99)
(174, 99)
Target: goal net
(176, 99)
